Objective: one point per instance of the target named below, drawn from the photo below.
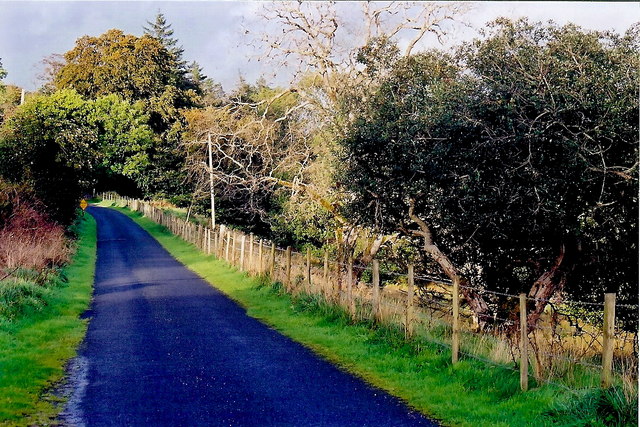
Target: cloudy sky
(214, 32)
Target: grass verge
(35, 345)
(471, 393)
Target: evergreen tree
(3, 73)
(162, 31)
(196, 75)
(210, 92)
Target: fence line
(333, 280)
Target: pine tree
(211, 93)
(196, 74)
(3, 73)
(162, 31)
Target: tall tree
(516, 168)
(3, 72)
(321, 43)
(58, 144)
(161, 30)
(137, 69)
(211, 93)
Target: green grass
(471, 393)
(38, 336)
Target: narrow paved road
(166, 349)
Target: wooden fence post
(288, 268)
(608, 332)
(215, 246)
(409, 314)
(235, 256)
(272, 265)
(325, 274)
(226, 252)
(376, 291)
(242, 251)
(260, 257)
(524, 345)
(221, 240)
(455, 335)
(350, 301)
(250, 266)
(308, 272)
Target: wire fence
(578, 349)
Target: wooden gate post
(409, 314)
(221, 240)
(376, 291)
(234, 245)
(455, 335)
(524, 345)
(214, 247)
(608, 331)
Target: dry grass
(28, 239)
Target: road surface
(164, 348)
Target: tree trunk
(348, 236)
(481, 311)
(545, 287)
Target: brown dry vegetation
(28, 239)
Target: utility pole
(213, 203)
(22, 97)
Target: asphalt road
(164, 348)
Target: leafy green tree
(137, 69)
(59, 144)
(124, 138)
(48, 145)
(10, 96)
(557, 108)
(514, 167)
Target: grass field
(39, 338)
(470, 394)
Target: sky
(215, 32)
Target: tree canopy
(59, 144)
(135, 67)
(517, 159)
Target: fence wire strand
(225, 242)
